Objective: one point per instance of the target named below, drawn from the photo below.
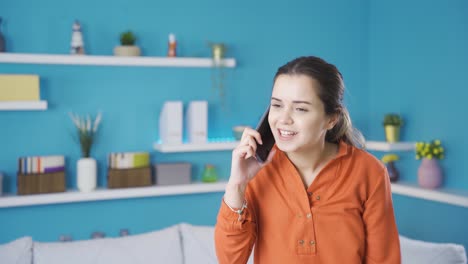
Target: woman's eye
(301, 109)
(275, 105)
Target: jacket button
(317, 197)
(301, 242)
(312, 242)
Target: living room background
(395, 57)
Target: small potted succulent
(127, 47)
(392, 124)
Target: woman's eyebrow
(294, 102)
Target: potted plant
(429, 171)
(86, 168)
(389, 161)
(392, 124)
(128, 47)
(218, 51)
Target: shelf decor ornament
(209, 174)
(389, 161)
(77, 44)
(127, 45)
(429, 172)
(86, 168)
(392, 124)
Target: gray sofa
(179, 244)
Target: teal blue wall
(262, 35)
(418, 59)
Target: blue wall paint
(417, 64)
(261, 35)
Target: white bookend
(197, 122)
(170, 123)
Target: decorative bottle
(172, 46)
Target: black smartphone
(268, 140)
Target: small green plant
(429, 150)
(393, 120)
(86, 130)
(127, 38)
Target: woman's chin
(286, 147)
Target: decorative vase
(430, 174)
(393, 173)
(209, 174)
(127, 51)
(1, 183)
(392, 134)
(86, 174)
(2, 39)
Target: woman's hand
(244, 166)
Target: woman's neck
(310, 162)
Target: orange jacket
(345, 215)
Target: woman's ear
(332, 121)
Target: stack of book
(19, 89)
(129, 169)
(41, 174)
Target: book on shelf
(41, 164)
(19, 87)
(196, 119)
(128, 160)
(171, 122)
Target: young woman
(319, 198)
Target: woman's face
(297, 115)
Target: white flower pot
(86, 174)
(127, 51)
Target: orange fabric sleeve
(234, 239)
(382, 241)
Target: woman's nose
(285, 117)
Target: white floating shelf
(458, 198)
(109, 194)
(191, 147)
(22, 105)
(385, 146)
(112, 60)
(412, 190)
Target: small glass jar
(209, 174)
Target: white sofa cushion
(18, 251)
(198, 244)
(422, 252)
(162, 246)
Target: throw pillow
(162, 246)
(198, 244)
(18, 251)
(422, 252)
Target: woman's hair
(330, 92)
